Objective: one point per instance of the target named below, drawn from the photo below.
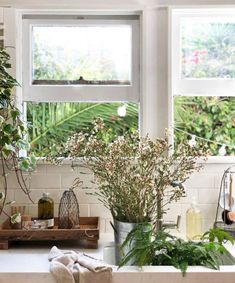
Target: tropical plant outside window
(210, 118)
(207, 51)
(51, 124)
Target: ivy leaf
(8, 128)
(2, 195)
(15, 113)
(16, 218)
(24, 164)
(1, 120)
(33, 161)
(9, 148)
(23, 144)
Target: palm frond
(55, 122)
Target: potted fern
(160, 248)
(12, 135)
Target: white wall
(55, 179)
(107, 4)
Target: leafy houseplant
(160, 248)
(12, 134)
(134, 175)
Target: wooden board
(88, 230)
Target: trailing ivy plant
(12, 135)
(161, 248)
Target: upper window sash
(197, 86)
(80, 92)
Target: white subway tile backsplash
(87, 180)
(215, 168)
(40, 169)
(4, 216)
(108, 227)
(207, 223)
(208, 210)
(184, 208)
(55, 179)
(12, 181)
(52, 169)
(46, 181)
(218, 179)
(88, 184)
(84, 210)
(56, 210)
(190, 194)
(208, 196)
(102, 225)
(83, 196)
(173, 210)
(99, 210)
(201, 180)
(67, 179)
(10, 195)
(33, 210)
(20, 197)
(82, 170)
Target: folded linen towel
(72, 267)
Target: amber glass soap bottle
(46, 210)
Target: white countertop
(33, 256)
(28, 263)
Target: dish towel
(72, 267)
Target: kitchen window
(203, 78)
(77, 68)
(81, 58)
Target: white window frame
(80, 93)
(200, 86)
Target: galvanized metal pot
(121, 230)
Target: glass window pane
(51, 124)
(210, 119)
(207, 48)
(97, 54)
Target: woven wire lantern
(69, 208)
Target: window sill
(218, 160)
(210, 160)
(63, 161)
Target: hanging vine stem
(21, 180)
(23, 187)
(5, 183)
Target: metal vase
(121, 230)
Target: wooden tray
(89, 231)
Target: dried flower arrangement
(134, 175)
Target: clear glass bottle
(193, 222)
(46, 210)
